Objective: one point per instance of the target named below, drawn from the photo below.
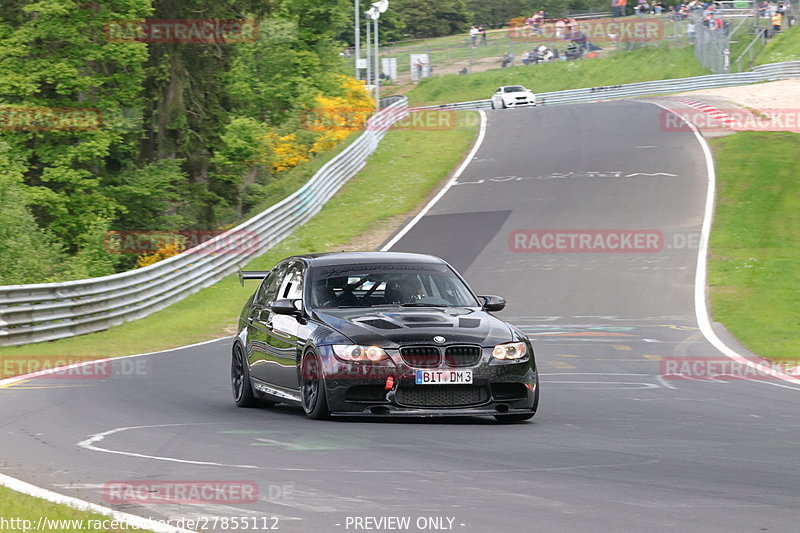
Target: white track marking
(89, 444)
(700, 307)
(450, 183)
(133, 521)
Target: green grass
(14, 505)
(399, 175)
(623, 67)
(784, 47)
(444, 52)
(754, 266)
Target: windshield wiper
(420, 304)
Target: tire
(503, 104)
(493, 107)
(240, 380)
(312, 388)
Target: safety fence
(47, 311)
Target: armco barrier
(771, 72)
(47, 311)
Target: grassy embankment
(624, 67)
(754, 262)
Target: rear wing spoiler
(252, 274)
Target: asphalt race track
(615, 446)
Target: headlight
(512, 350)
(362, 354)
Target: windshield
(388, 285)
(515, 89)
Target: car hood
(390, 328)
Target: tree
(57, 58)
(423, 18)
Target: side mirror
(284, 306)
(493, 303)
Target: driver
(404, 290)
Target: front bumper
(521, 103)
(498, 387)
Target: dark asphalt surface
(614, 447)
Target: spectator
(615, 8)
(482, 32)
(560, 27)
(690, 31)
(419, 66)
(777, 20)
(508, 59)
(473, 35)
(622, 4)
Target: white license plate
(438, 377)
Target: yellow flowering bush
(164, 251)
(287, 151)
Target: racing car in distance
(379, 334)
(512, 96)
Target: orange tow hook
(389, 383)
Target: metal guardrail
(771, 72)
(48, 311)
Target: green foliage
(27, 254)
(174, 125)
(55, 56)
(424, 18)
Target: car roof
(350, 258)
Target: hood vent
(423, 318)
(469, 322)
(379, 323)
(429, 325)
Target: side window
(268, 291)
(292, 283)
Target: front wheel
(315, 403)
(493, 107)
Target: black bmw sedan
(379, 334)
